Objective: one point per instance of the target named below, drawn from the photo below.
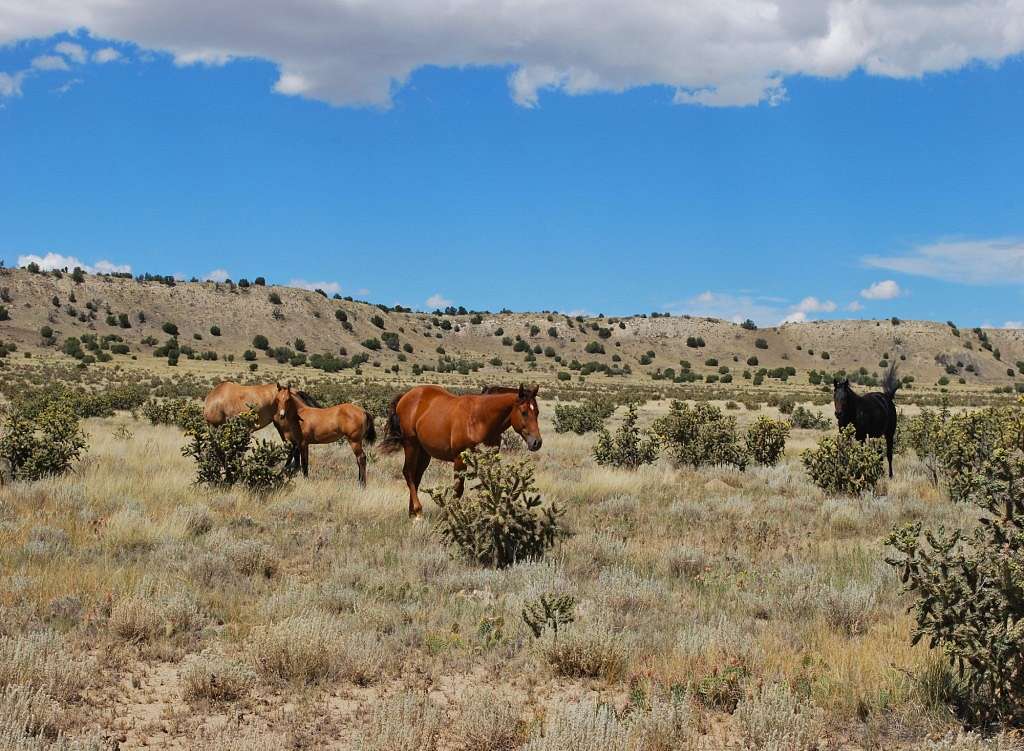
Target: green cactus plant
(501, 518)
(841, 464)
(700, 435)
(766, 440)
(629, 448)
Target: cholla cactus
(766, 440)
(501, 518)
(841, 464)
(584, 417)
(700, 435)
(629, 447)
(225, 455)
(970, 591)
(550, 610)
(44, 444)
(925, 433)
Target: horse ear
(522, 391)
(279, 387)
(533, 391)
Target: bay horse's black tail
(891, 382)
(393, 429)
(369, 431)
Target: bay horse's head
(524, 417)
(842, 399)
(284, 404)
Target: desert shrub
(925, 433)
(629, 447)
(44, 444)
(226, 454)
(169, 328)
(315, 647)
(700, 435)
(970, 438)
(969, 589)
(489, 722)
(841, 464)
(583, 417)
(212, 677)
(184, 413)
(501, 518)
(406, 722)
(766, 440)
(801, 417)
(775, 718)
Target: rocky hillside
(226, 319)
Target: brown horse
(229, 399)
(430, 422)
(303, 425)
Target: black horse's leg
(888, 450)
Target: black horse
(871, 414)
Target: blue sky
(858, 195)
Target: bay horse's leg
(409, 471)
(304, 455)
(357, 449)
(460, 481)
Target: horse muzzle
(534, 443)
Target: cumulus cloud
(760, 308)
(854, 306)
(217, 275)
(884, 290)
(72, 51)
(707, 52)
(105, 55)
(996, 261)
(331, 288)
(51, 261)
(437, 300)
(10, 83)
(49, 62)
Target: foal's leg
(357, 449)
(412, 478)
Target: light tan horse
(430, 422)
(303, 425)
(228, 400)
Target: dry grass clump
(28, 713)
(143, 618)
(41, 661)
(194, 520)
(490, 722)
(588, 650)
(774, 719)
(130, 531)
(406, 722)
(666, 725)
(47, 542)
(252, 558)
(315, 647)
(213, 677)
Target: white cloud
(1013, 325)
(437, 300)
(331, 288)
(72, 51)
(995, 261)
(52, 261)
(854, 306)
(762, 309)
(10, 83)
(105, 55)
(884, 290)
(707, 52)
(217, 275)
(65, 87)
(49, 62)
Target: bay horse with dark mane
(429, 422)
(302, 425)
(871, 414)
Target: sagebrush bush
(227, 454)
(213, 677)
(841, 464)
(501, 518)
(700, 435)
(766, 440)
(629, 448)
(969, 589)
(43, 445)
(584, 417)
(184, 413)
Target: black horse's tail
(369, 431)
(393, 429)
(891, 382)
